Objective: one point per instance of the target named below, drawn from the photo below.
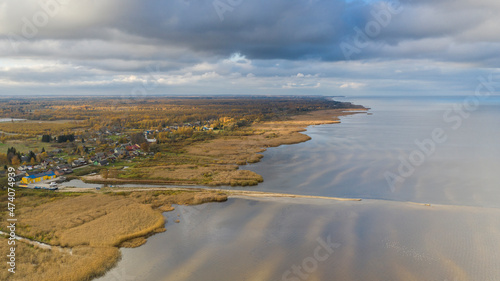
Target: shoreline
(67, 234)
(113, 205)
(219, 160)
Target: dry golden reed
(91, 227)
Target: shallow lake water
(390, 235)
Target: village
(106, 147)
(59, 140)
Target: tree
(31, 154)
(145, 146)
(11, 152)
(15, 160)
(3, 159)
(185, 132)
(137, 138)
(46, 138)
(66, 138)
(32, 161)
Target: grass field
(39, 127)
(25, 146)
(38, 264)
(93, 225)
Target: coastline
(146, 206)
(216, 162)
(90, 228)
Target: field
(26, 145)
(39, 127)
(39, 264)
(92, 234)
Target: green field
(25, 146)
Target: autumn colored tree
(15, 160)
(145, 146)
(137, 138)
(3, 159)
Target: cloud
(259, 46)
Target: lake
(426, 169)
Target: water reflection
(351, 159)
(389, 239)
(246, 239)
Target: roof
(50, 173)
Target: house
(153, 140)
(38, 177)
(59, 172)
(19, 176)
(79, 162)
(100, 155)
(64, 167)
(25, 158)
(103, 163)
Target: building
(38, 177)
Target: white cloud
(351, 85)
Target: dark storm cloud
(279, 29)
(282, 44)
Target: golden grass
(123, 223)
(38, 127)
(93, 225)
(102, 220)
(237, 177)
(133, 243)
(37, 264)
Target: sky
(251, 47)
